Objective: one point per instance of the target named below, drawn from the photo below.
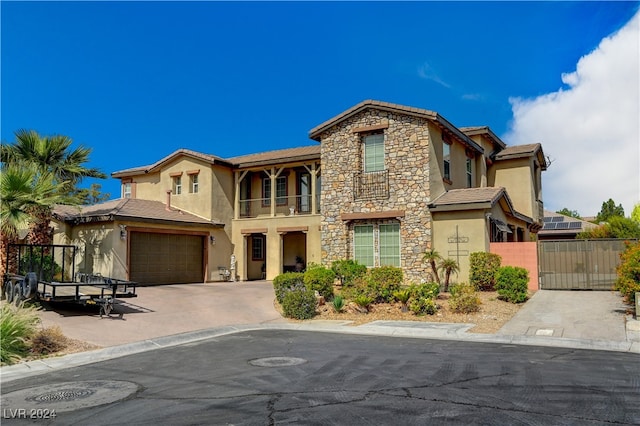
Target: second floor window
(446, 155)
(374, 153)
(281, 191)
(469, 173)
(177, 185)
(126, 190)
(193, 187)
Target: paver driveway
(169, 309)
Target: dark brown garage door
(166, 258)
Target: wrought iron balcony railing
(371, 185)
(289, 206)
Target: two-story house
(385, 183)
(398, 181)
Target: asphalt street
(268, 377)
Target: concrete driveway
(167, 310)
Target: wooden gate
(579, 264)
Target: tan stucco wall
(472, 232)
(274, 243)
(518, 176)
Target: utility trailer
(47, 273)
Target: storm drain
(277, 361)
(69, 396)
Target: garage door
(166, 258)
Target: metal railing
(371, 185)
(290, 205)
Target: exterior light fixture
(123, 232)
(212, 240)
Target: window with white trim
(193, 183)
(126, 190)
(381, 251)
(389, 244)
(177, 185)
(281, 191)
(363, 245)
(374, 152)
(446, 156)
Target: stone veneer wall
(407, 152)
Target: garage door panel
(166, 258)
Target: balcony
(371, 185)
(285, 206)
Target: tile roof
(394, 108)
(277, 156)
(483, 130)
(469, 196)
(182, 151)
(128, 209)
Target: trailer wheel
(30, 285)
(17, 293)
(8, 291)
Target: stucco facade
(384, 184)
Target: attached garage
(166, 258)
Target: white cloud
(591, 130)
(427, 72)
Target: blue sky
(137, 80)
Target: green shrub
(363, 301)
(511, 284)
(483, 269)
(464, 298)
(348, 270)
(383, 281)
(17, 324)
(320, 279)
(628, 281)
(47, 341)
(423, 305)
(285, 282)
(402, 295)
(337, 303)
(428, 290)
(299, 303)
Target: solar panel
(549, 226)
(557, 219)
(563, 225)
(575, 225)
(547, 219)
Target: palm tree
(52, 158)
(22, 189)
(448, 266)
(433, 257)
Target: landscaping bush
(320, 279)
(511, 284)
(337, 303)
(628, 281)
(285, 282)
(423, 305)
(383, 281)
(464, 298)
(348, 270)
(17, 323)
(47, 341)
(428, 290)
(363, 301)
(483, 269)
(299, 303)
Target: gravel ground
(493, 314)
